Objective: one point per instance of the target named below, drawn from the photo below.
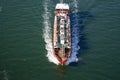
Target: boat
(61, 33)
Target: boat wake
(47, 33)
(75, 32)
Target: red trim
(60, 61)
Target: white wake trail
(75, 33)
(47, 33)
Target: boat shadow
(77, 20)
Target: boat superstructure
(61, 33)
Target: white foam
(75, 37)
(47, 34)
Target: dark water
(22, 46)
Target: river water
(26, 32)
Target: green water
(22, 46)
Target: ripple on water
(0, 8)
